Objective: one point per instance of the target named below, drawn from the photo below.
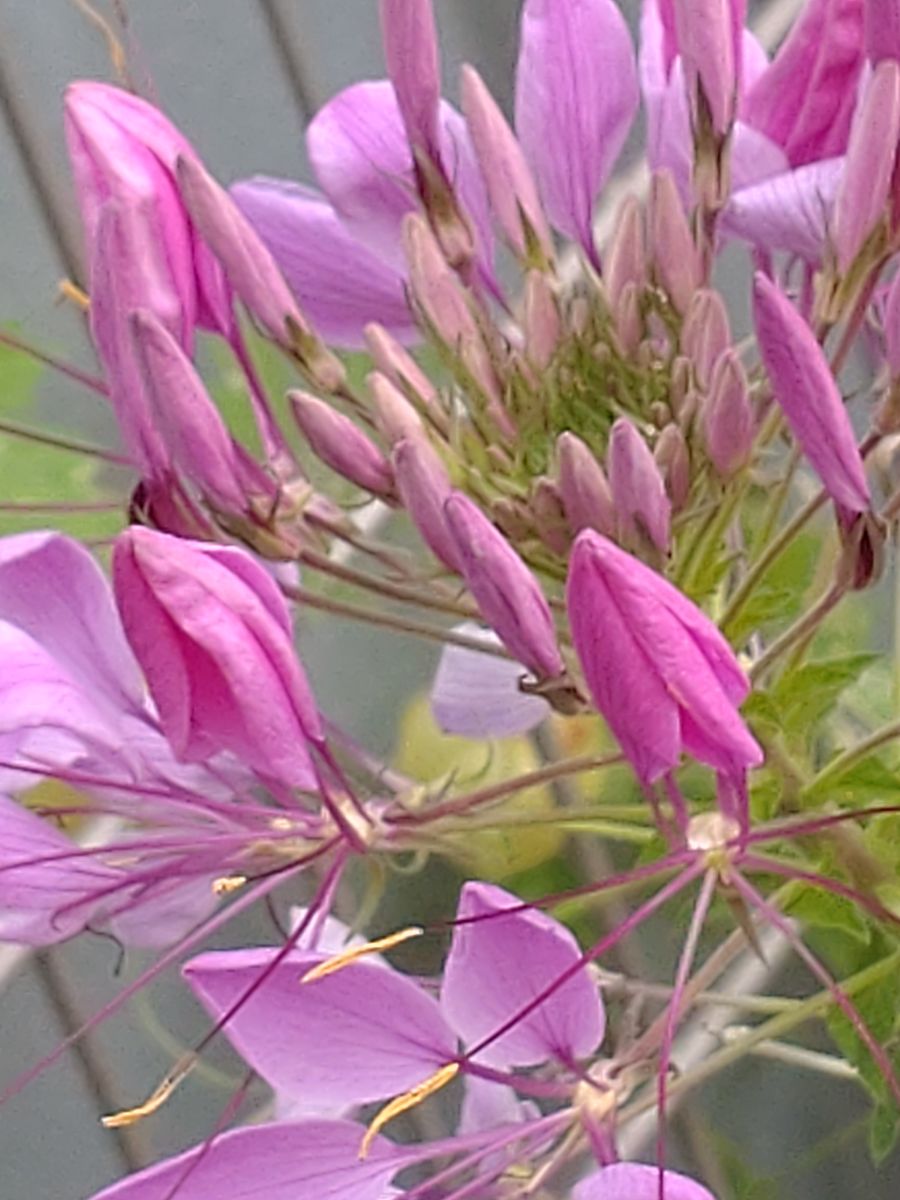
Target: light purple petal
(52, 588)
(34, 895)
(360, 1034)
(158, 912)
(306, 1160)
(496, 967)
(339, 282)
(478, 695)
(362, 160)
(636, 1181)
(488, 1105)
(576, 96)
(754, 157)
(788, 212)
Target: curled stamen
(156, 1099)
(353, 953)
(410, 1099)
(74, 294)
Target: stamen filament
(353, 953)
(410, 1099)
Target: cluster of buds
(598, 470)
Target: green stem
(849, 758)
(802, 628)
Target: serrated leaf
(870, 781)
(808, 693)
(825, 910)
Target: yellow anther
(155, 1101)
(73, 293)
(404, 1103)
(352, 953)
(226, 884)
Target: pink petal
(576, 96)
(478, 695)
(498, 966)
(339, 282)
(788, 212)
(304, 1160)
(361, 1034)
(635, 1181)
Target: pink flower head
(576, 96)
(809, 397)
(661, 674)
(213, 636)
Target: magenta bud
(709, 33)
(412, 57)
(200, 444)
(676, 260)
(882, 29)
(541, 323)
(808, 394)
(643, 509)
(728, 425)
(626, 259)
(341, 445)
(424, 485)
(674, 461)
(252, 272)
(586, 495)
(511, 188)
(862, 201)
(706, 333)
(214, 638)
(660, 673)
(395, 417)
(509, 596)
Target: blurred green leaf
(807, 694)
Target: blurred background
(241, 78)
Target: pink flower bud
(709, 40)
(541, 323)
(509, 596)
(642, 507)
(806, 390)
(511, 189)
(550, 516)
(200, 444)
(411, 54)
(626, 258)
(676, 259)
(341, 445)
(252, 272)
(424, 485)
(395, 417)
(706, 333)
(862, 198)
(213, 636)
(629, 318)
(660, 673)
(585, 493)
(727, 416)
(673, 458)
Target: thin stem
(63, 443)
(850, 757)
(94, 382)
(801, 628)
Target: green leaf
(870, 781)
(878, 1005)
(825, 910)
(809, 693)
(884, 1126)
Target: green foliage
(824, 910)
(808, 694)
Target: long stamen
(411, 1099)
(353, 953)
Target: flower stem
(850, 757)
(807, 624)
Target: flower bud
(706, 333)
(213, 636)
(672, 457)
(727, 416)
(660, 673)
(626, 258)
(541, 324)
(395, 417)
(510, 598)
(342, 445)
(863, 194)
(200, 444)
(412, 57)
(252, 272)
(676, 260)
(808, 394)
(549, 516)
(709, 34)
(643, 509)
(424, 485)
(628, 318)
(511, 189)
(585, 493)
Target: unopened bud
(626, 258)
(628, 319)
(676, 260)
(540, 320)
(643, 509)
(394, 415)
(727, 416)
(550, 516)
(424, 485)
(705, 333)
(586, 495)
(341, 445)
(672, 456)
